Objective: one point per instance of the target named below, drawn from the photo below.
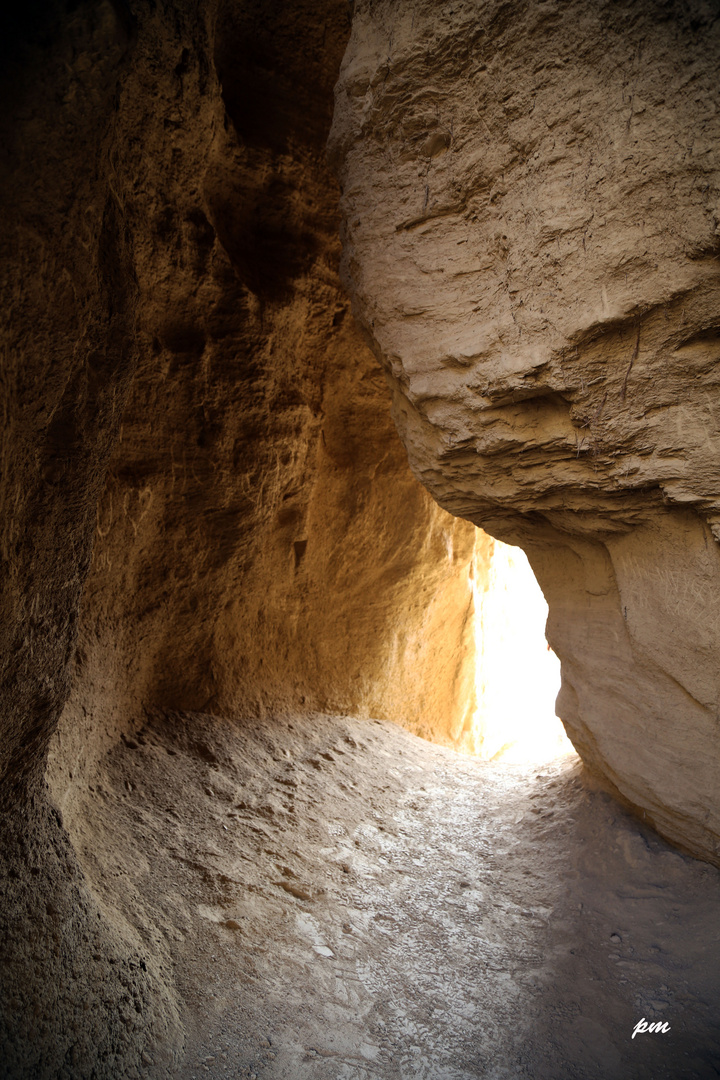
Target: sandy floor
(341, 900)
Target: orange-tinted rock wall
(206, 505)
(261, 543)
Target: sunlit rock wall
(261, 544)
(531, 200)
(205, 503)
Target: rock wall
(207, 511)
(261, 544)
(531, 200)
(206, 505)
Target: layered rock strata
(531, 199)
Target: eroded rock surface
(207, 514)
(340, 899)
(205, 502)
(261, 543)
(531, 201)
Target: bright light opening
(517, 675)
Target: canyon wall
(261, 544)
(206, 508)
(206, 505)
(531, 201)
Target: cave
(337, 339)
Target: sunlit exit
(517, 674)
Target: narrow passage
(340, 900)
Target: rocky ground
(340, 900)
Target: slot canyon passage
(309, 308)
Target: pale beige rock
(531, 199)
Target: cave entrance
(517, 675)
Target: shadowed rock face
(68, 295)
(205, 503)
(531, 199)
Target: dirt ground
(336, 899)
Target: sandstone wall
(76, 994)
(206, 505)
(531, 200)
(261, 543)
